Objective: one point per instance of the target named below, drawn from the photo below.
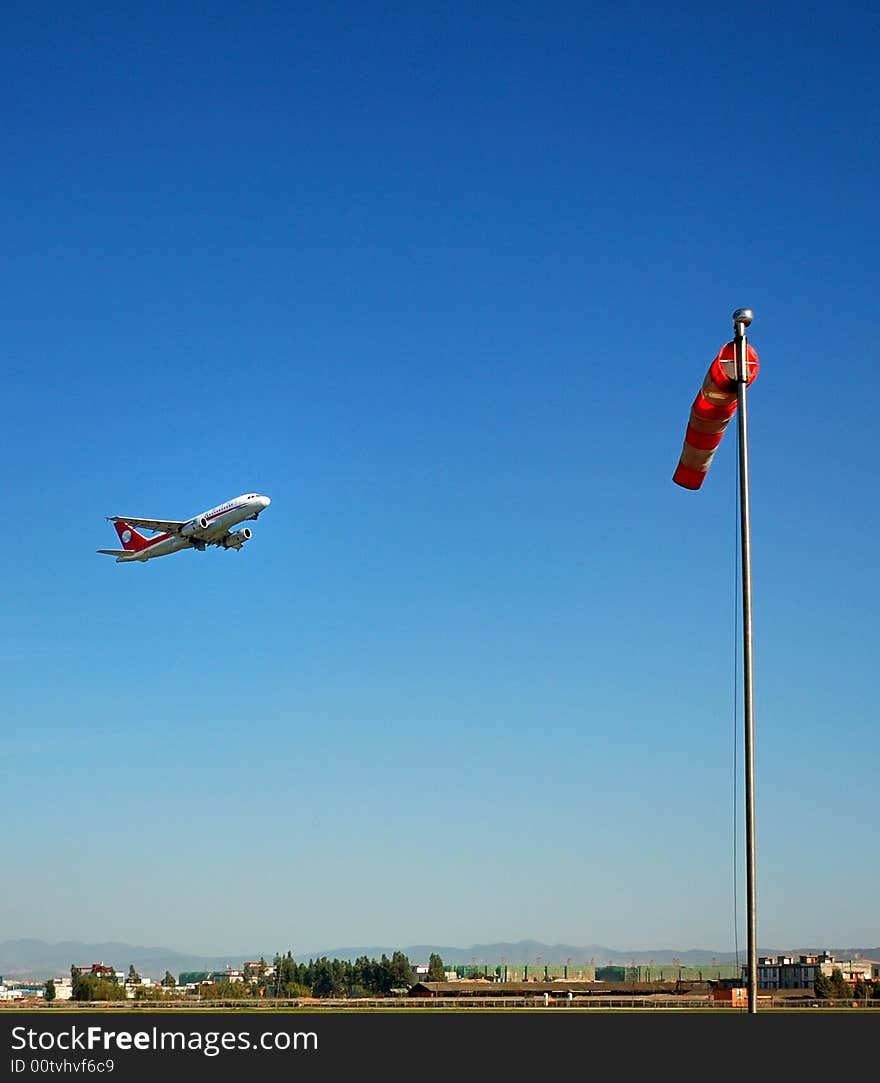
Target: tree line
(325, 977)
(321, 977)
(106, 986)
(836, 987)
(287, 978)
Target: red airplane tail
(131, 540)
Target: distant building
(786, 972)
(251, 971)
(63, 988)
(99, 970)
(229, 974)
(853, 970)
(22, 990)
(729, 991)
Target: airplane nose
(265, 501)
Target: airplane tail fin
(132, 540)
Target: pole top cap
(744, 316)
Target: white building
(63, 988)
(786, 972)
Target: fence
(511, 1003)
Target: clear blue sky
(443, 284)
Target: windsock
(713, 407)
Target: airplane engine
(194, 526)
(237, 538)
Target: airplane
(209, 528)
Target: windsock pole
(742, 317)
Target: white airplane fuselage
(211, 527)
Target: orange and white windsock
(713, 408)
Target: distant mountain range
(529, 952)
(30, 958)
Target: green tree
(133, 976)
(224, 990)
(840, 990)
(91, 987)
(50, 990)
(401, 971)
(362, 976)
(382, 977)
(323, 982)
(288, 980)
(331, 978)
(436, 970)
(169, 981)
(193, 977)
(861, 990)
(822, 986)
(109, 989)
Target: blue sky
(443, 283)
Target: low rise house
(730, 991)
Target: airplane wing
(167, 526)
(115, 552)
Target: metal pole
(741, 320)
